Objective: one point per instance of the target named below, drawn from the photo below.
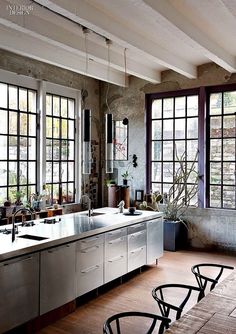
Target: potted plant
(126, 175)
(177, 200)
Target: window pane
(215, 196)
(23, 148)
(32, 148)
(13, 123)
(56, 106)
(229, 149)
(49, 149)
(56, 128)
(156, 172)
(3, 95)
(64, 193)
(229, 175)
(64, 149)
(3, 173)
(71, 152)
(55, 193)
(3, 123)
(156, 108)
(192, 149)
(13, 145)
(216, 104)
(23, 99)
(71, 129)
(63, 107)
(55, 172)
(13, 173)
(156, 150)
(180, 128)
(23, 124)
(71, 191)
(229, 126)
(192, 105)
(32, 172)
(32, 125)
(32, 101)
(3, 147)
(180, 147)
(180, 106)
(48, 104)
(168, 129)
(71, 167)
(168, 107)
(63, 128)
(168, 150)
(3, 195)
(13, 97)
(156, 130)
(71, 109)
(229, 102)
(56, 150)
(228, 197)
(12, 194)
(48, 172)
(23, 172)
(64, 171)
(49, 127)
(215, 149)
(168, 172)
(215, 127)
(192, 128)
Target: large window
(18, 123)
(60, 148)
(174, 131)
(221, 149)
(203, 120)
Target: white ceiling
(150, 36)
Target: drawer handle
(91, 249)
(90, 269)
(90, 240)
(116, 258)
(137, 226)
(115, 241)
(137, 233)
(137, 250)
(115, 232)
(58, 248)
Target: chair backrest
(160, 295)
(116, 323)
(212, 279)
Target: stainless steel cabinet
(137, 241)
(154, 240)
(115, 254)
(89, 264)
(19, 282)
(57, 277)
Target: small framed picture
(139, 195)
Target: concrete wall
(209, 228)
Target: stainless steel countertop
(72, 227)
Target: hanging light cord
(108, 73)
(125, 63)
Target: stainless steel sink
(94, 214)
(32, 237)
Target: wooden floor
(135, 292)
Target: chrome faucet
(13, 220)
(89, 203)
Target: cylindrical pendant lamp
(87, 158)
(109, 143)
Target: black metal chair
(160, 295)
(115, 323)
(203, 280)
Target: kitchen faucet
(13, 220)
(89, 203)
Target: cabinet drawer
(136, 258)
(88, 257)
(116, 234)
(91, 241)
(115, 267)
(115, 247)
(89, 278)
(137, 240)
(136, 228)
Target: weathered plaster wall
(42, 71)
(210, 228)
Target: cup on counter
(132, 210)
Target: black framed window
(18, 137)
(221, 145)
(60, 148)
(172, 127)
